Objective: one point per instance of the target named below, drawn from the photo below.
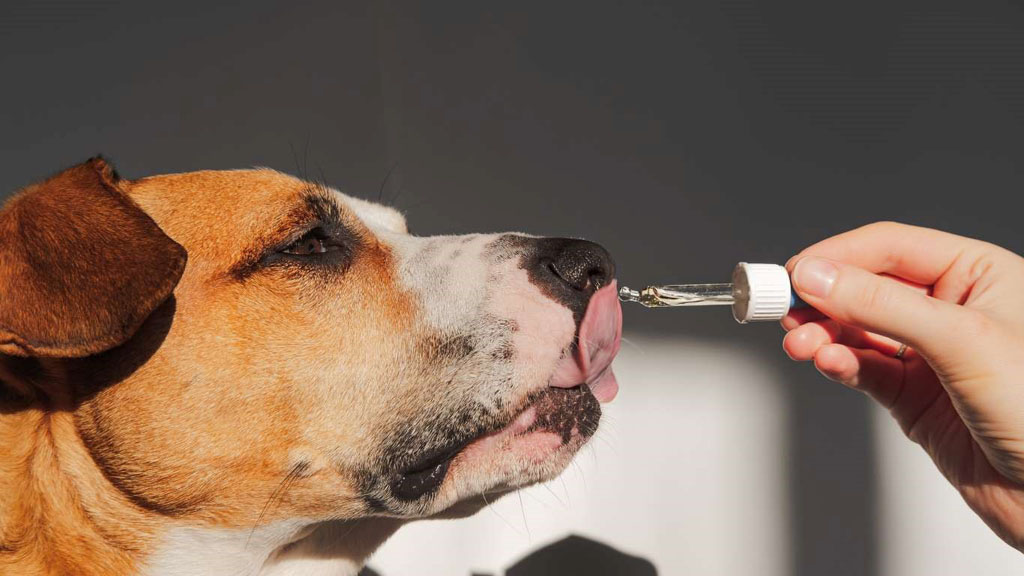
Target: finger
(921, 255)
(801, 343)
(881, 305)
(800, 316)
(788, 323)
(869, 371)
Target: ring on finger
(899, 353)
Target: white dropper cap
(760, 292)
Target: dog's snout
(569, 270)
(583, 265)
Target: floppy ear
(81, 265)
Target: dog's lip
(448, 451)
(427, 473)
(599, 340)
(432, 459)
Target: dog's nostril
(569, 276)
(583, 265)
(554, 270)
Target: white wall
(689, 471)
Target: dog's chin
(535, 446)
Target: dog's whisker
(399, 193)
(522, 510)
(547, 487)
(407, 207)
(593, 455)
(565, 488)
(351, 528)
(305, 157)
(537, 500)
(277, 494)
(588, 342)
(633, 345)
(606, 442)
(607, 428)
(579, 470)
(295, 157)
(496, 513)
(323, 178)
(380, 190)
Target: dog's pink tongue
(599, 339)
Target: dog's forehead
(375, 216)
(219, 213)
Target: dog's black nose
(569, 270)
(583, 265)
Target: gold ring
(901, 351)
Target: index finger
(921, 255)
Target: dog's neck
(282, 548)
(60, 515)
(337, 548)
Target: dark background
(684, 136)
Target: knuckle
(981, 266)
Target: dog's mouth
(565, 413)
(426, 474)
(562, 416)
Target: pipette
(757, 292)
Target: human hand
(958, 391)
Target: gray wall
(684, 136)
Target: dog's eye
(316, 241)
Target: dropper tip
(627, 294)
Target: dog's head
(313, 359)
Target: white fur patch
(448, 274)
(376, 216)
(195, 551)
(545, 326)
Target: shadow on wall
(573, 555)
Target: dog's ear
(81, 265)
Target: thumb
(882, 305)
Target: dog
(242, 372)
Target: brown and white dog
(311, 379)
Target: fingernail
(815, 276)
